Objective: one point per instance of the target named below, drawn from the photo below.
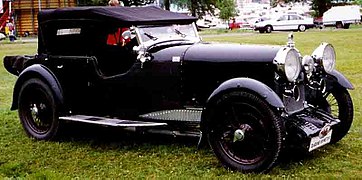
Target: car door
(295, 21)
(148, 86)
(281, 23)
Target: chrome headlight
(325, 52)
(287, 61)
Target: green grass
(96, 153)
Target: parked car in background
(146, 69)
(2, 36)
(342, 16)
(318, 22)
(285, 22)
(253, 21)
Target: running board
(110, 121)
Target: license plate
(318, 141)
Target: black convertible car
(146, 69)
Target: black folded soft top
(127, 15)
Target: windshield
(169, 32)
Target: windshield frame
(194, 39)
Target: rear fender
(43, 73)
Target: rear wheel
(302, 28)
(246, 134)
(339, 104)
(37, 110)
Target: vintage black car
(146, 69)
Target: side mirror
(126, 35)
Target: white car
(293, 22)
(2, 36)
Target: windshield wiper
(180, 33)
(150, 36)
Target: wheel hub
(34, 110)
(239, 134)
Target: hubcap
(302, 28)
(239, 135)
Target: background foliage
(227, 9)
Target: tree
(320, 6)
(274, 3)
(227, 9)
(358, 2)
(197, 8)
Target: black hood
(231, 53)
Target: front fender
(341, 79)
(250, 84)
(43, 73)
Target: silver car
(285, 22)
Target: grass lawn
(94, 153)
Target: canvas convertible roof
(127, 15)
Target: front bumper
(258, 28)
(306, 127)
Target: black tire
(38, 110)
(339, 104)
(346, 26)
(339, 25)
(260, 149)
(268, 29)
(302, 28)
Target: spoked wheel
(339, 104)
(246, 134)
(37, 110)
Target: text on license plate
(317, 142)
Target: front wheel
(302, 28)
(245, 133)
(268, 29)
(339, 25)
(339, 104)
(38, 110)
